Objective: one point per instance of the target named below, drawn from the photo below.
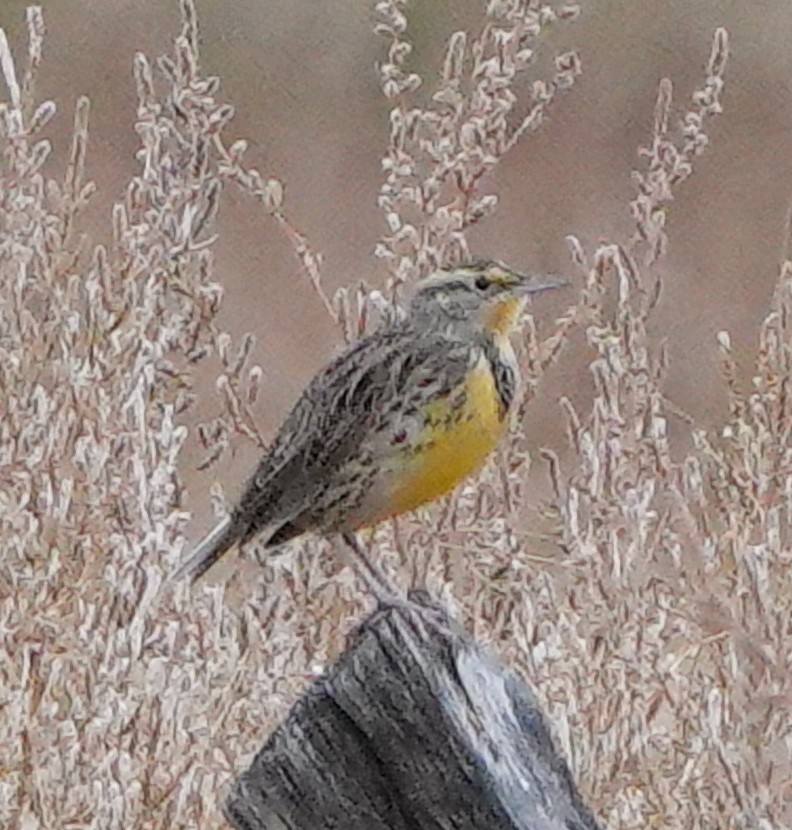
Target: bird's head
(485, 293)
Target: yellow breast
(453, 444)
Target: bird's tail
(209, 550)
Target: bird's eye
(482, 283)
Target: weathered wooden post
(415, 727)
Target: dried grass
(648, 602)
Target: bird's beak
(535, 284)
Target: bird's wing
(375, 378)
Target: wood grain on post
(415, 727)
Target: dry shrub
(648, 603)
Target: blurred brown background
(301, 76)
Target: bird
(398, 419)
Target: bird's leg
(418, 606)
(374, 579)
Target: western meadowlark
(395, 421)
